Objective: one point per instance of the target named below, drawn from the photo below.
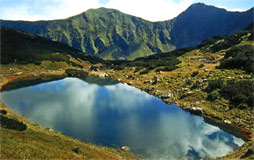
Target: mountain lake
(112, 114)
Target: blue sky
(153, 10)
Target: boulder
(125, 148)
(195, 110)
(227, 121)
(103, 75)
(166, 95)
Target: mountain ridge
(111, 34)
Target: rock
(125, 148)
(156, 79)
(185, 89)
(129, 83)
(195, 110)
(103, 75)
(18, 73)
(148, 81)
(148, 89)
(166, 95)
(227, 121)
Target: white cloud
(19, 13)
(150, 9)
(47, 10)
(232, 9)
(153, 10)
(69, 8)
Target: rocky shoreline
(227, 125)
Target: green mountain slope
(112, 34)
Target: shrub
(214, 84)
(12, 123)
(239, 57)
(201, 66)
(212, 96)
(194, 74)
(2, 111)
(237, 92)
(196, 85)
(75, 73)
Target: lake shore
(241, 131)
(63, 147)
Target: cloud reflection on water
(120, 115)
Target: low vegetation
(10, 123)
(239, 93)
(239, 57)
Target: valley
(199, 79)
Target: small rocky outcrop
(195, 110)
(103, 75)
(166, 95)
(125, 148)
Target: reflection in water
(118, 115)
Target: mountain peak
(203, 6)
(199, 4)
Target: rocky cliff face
(111, 34)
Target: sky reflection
(118, 115)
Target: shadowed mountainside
(22, 48)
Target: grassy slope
(36, 142)
(180, 82)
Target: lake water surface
(119, 115)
